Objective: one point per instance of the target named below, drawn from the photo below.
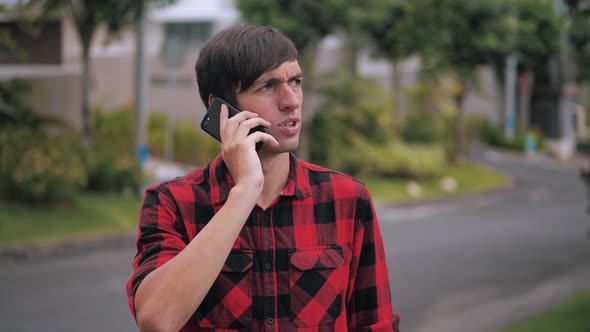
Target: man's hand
(238, 149)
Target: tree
(579, 36)
(88, 16)
(392, 27)
(455, 37)
(467, 34)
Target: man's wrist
(245, 193)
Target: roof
(192, 10)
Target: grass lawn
(92, 214)
(89, 214)
(471, 177)
(573, 315)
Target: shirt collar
(221, 180)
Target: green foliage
(40, 160)
(494, 136)
(474, 127)
(113, 166)
(568, 316)
(579, 36)
(391, 26)
(304, 21)
(403, 160)
(422, 126)
(191, 146)
(15, 110)
(353, 114)
(38, 168)
(353, 132)
(538, 32)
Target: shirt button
(270, 320)
(267, 266)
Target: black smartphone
(210, 123)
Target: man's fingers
(246, 125)
(229, 126)
(259, 136)
(223, 116)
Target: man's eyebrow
(274, 79)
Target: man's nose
(289, 97)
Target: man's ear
(211, 97)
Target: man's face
(277, 97)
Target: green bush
(40, 158)
(413, 161)
(494, 136)
(354, 132)
(190, 145)
(354, 114)
(422, 126)
(473, 125)
(156, 135)
(193, 147)
(39, 169)
(112, 165)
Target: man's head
(234, 58)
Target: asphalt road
(476, 264)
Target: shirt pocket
(229, 301)
(317, 285)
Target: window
(182, 38)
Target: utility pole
(140, 87)
(510, 99)
(566, 146)
(510, 78)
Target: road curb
(14, 253)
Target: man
(259, 240)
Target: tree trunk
(311, 98)
(396, 82)
(457, 149)
(86, 111)
(499, 97)
(526, 83)
(351, 54)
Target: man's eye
(265, 87)
(297, 82)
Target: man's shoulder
(195, 177)
(319, 174)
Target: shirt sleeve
(159, 238)
(369, 297)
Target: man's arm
(369, 297)
(169, 295)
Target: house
(51, 61)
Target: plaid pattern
(312, 261)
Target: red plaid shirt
(312, 261)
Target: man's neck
(276, 173)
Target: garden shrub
(39, 169)
(40, 157)
(422, 126)
(354, 114)
(190, 144)
(112, 165)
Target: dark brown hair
(234, 58)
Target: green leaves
(304, 21)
